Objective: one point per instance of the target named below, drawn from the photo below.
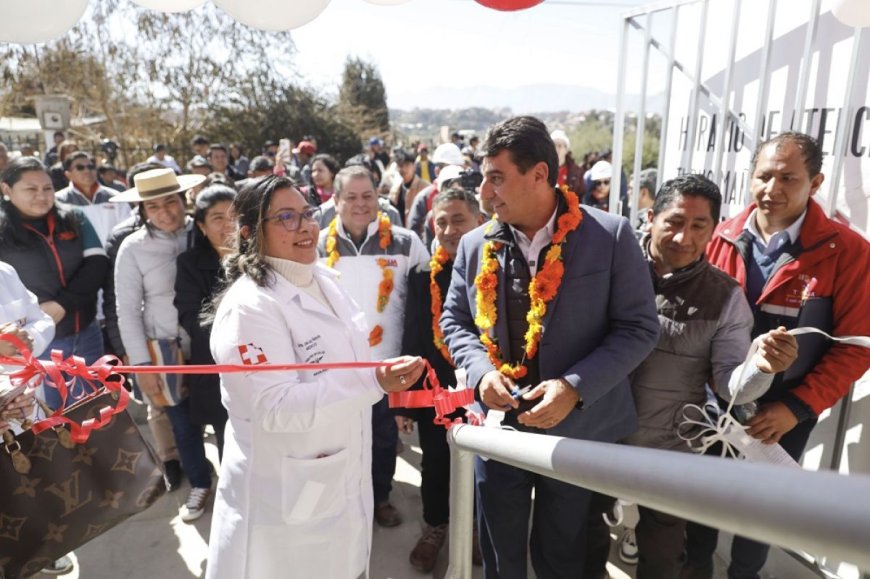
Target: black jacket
(52, 264)
(198, 276)
(418, 337)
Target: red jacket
(839, 260)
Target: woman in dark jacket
(59, 257)
(199, 275)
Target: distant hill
(425, 123)
(520, 100)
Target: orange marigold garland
(439, 258)
(376, 336)
(542, 289)
(385, 288)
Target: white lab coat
(295, 492)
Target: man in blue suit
(600, 323)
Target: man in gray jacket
(705, 324)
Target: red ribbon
(107, 371)
(433, 395)
(52, 372)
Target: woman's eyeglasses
(602, 182)
(292, 220)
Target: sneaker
(195, 505)
(426, 550)
(628, 547)
(62, 566)
(387, 516)
(172, 475)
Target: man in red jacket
(798, 268)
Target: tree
(362, 98)
(284, 111)
(595, 134)
(156, 83)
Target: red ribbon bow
(53, 371)
(107, 371)
(433, 395)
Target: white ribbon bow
(716, 431)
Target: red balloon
(509, 5)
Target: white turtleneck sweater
(301, 275)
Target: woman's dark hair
(250, 207)
(12, 232)
(143, 217)
(208, 198)
(17, 167)
(329, 162)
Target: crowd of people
(501, 258)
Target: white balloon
(170, 5)
(852, 12)
(273, 15)
(387, 2)
(39, 20)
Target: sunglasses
(90, 167)
(292, 220)
(602, 182)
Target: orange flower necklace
(542, 289)
(439, 258)
(385, 288)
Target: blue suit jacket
(600, 326)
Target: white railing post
(823, 513)
(461, 509)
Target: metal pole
(804, 80)
(461, 510)
(841, 141)
(640, 134)
(669, 82)
(619, 121)
(693, 101)
(763, 87)
(763, 76)
(724, 106)
(842, 428)
(820, 512)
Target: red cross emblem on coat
(252, 355)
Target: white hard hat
(448, 173)
(448, 154)
(601, 170)
(559, 135)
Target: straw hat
(157, 183)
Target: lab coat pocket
(313, 489)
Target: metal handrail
(819, 512)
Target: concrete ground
(157, 544)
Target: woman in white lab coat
(295, 497)
(20, 316)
